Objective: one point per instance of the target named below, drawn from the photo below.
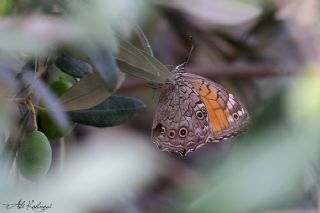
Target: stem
(40, 108)
(18, 100)
(34, 113)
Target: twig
(33, 112)
(237, 70)
(218, 71)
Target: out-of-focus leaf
(41, 91)
(303, 99)
(8, 84)
(272, 166)
(35, 33)
(104, 64)
(256, 177)
(5, 6)
(8, 153)
(100, 18)
(113, 111)
(107, 159)
(273, 112)
(266, 20)
(73, 66)
(88, 92)
(139, 63)
(209, 12)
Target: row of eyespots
(182, 132)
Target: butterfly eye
(199, 115)
(235, 116)
(172, 133)
(183, 132)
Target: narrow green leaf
(88, 92)
(142, 64)
(132, 70)
(113, 111)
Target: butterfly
(193, 111)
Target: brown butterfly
(193, 111)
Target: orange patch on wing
(215, 124)
(203, 91)
(214, 104)
(212, 95)
(201, 88)
(222, 118)
(209, 96)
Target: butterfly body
(193, 111)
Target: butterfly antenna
(190, 51)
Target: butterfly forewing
(227, 115)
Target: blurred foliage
(113, 111)
(266, 52)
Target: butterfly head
(179, 69)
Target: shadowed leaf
(113, 111)
(88, 92)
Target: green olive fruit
(59, 87)
(48, 125)
(34, 156)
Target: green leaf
(5, 7)
(137, 62)
(113, 111)
(72, 66)
(132, 70)
(88, 92)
